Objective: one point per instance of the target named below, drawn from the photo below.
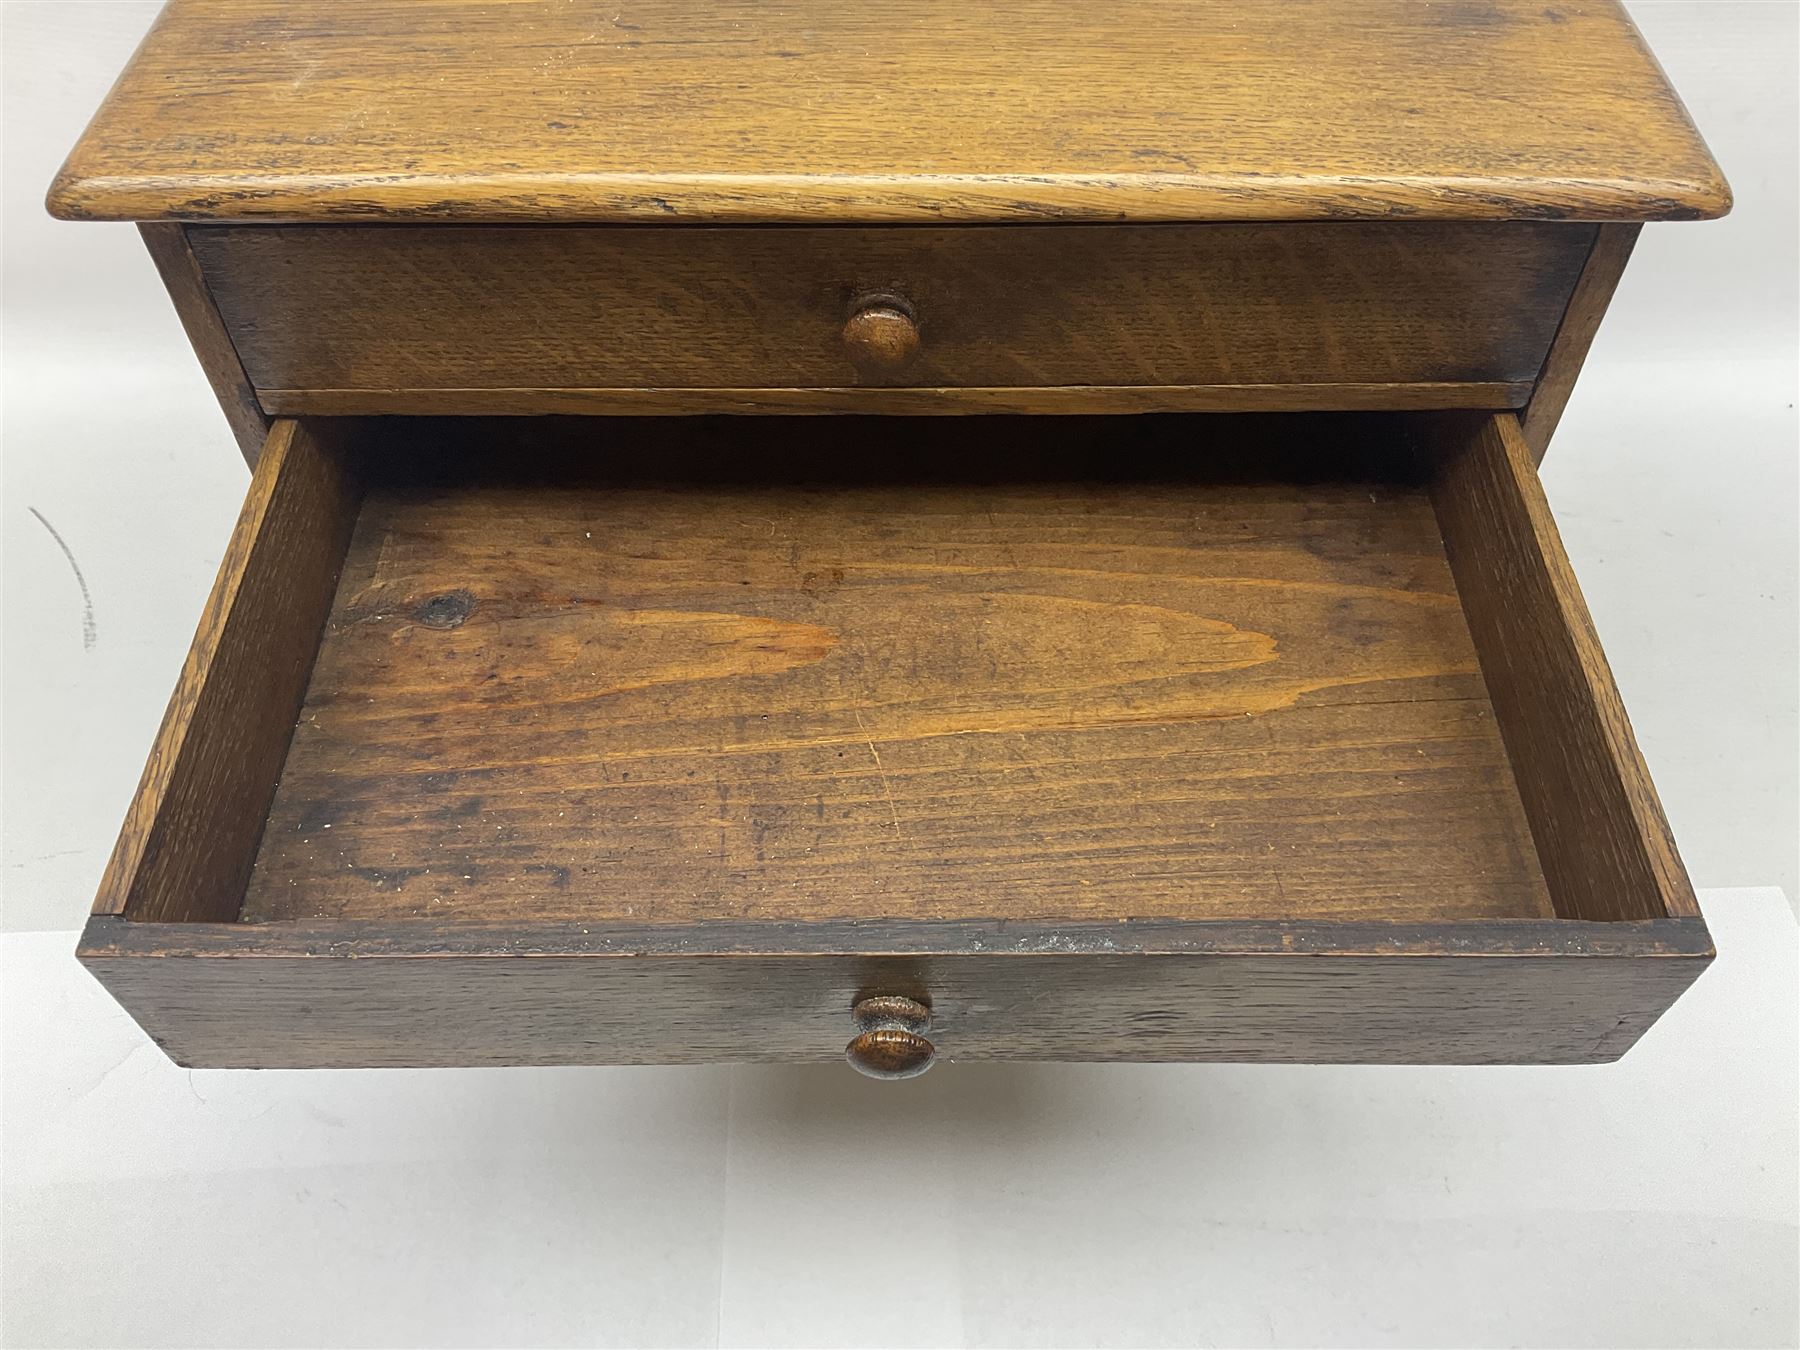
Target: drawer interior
(639, 672)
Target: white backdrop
(1674, 476)
(1675, 480)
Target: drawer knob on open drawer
(888, 1043)
(881, 334)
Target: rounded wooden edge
(84, 192)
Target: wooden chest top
(915, 110)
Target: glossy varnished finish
(425, 318)
(918, 111)
(890, 1041)
(882, 334)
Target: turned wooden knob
(889, 1043)
(881, 335)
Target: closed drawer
(1151, 739)
(437, 319)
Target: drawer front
(432, 319)
(556, 741)
(267, 996)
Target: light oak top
(902, 110)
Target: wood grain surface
(1233, 694)
(917, 110)
(405, 309)
(1517, 993)
(1112, 739)
(185, 849)
(1602, 837)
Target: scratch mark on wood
(887, 790)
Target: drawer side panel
(190, 834)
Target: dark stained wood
(1593, 293)
(1524, 996)
(399, 311)
(890, 1039)
(1602, 838)
(1176, 516)
(185, 849)
(910, 110)
(1606, 940)
(891, 1010)
(881, 335)
(890, 1053)
(1059, 400)
(615, 701)
(206, 331)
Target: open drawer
(636, 741)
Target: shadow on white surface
(1646, 1203)
(1651, 1202)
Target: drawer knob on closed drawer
(881, 335)
(889, 1043)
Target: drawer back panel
(409, 319)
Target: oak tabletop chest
(1160, 649)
